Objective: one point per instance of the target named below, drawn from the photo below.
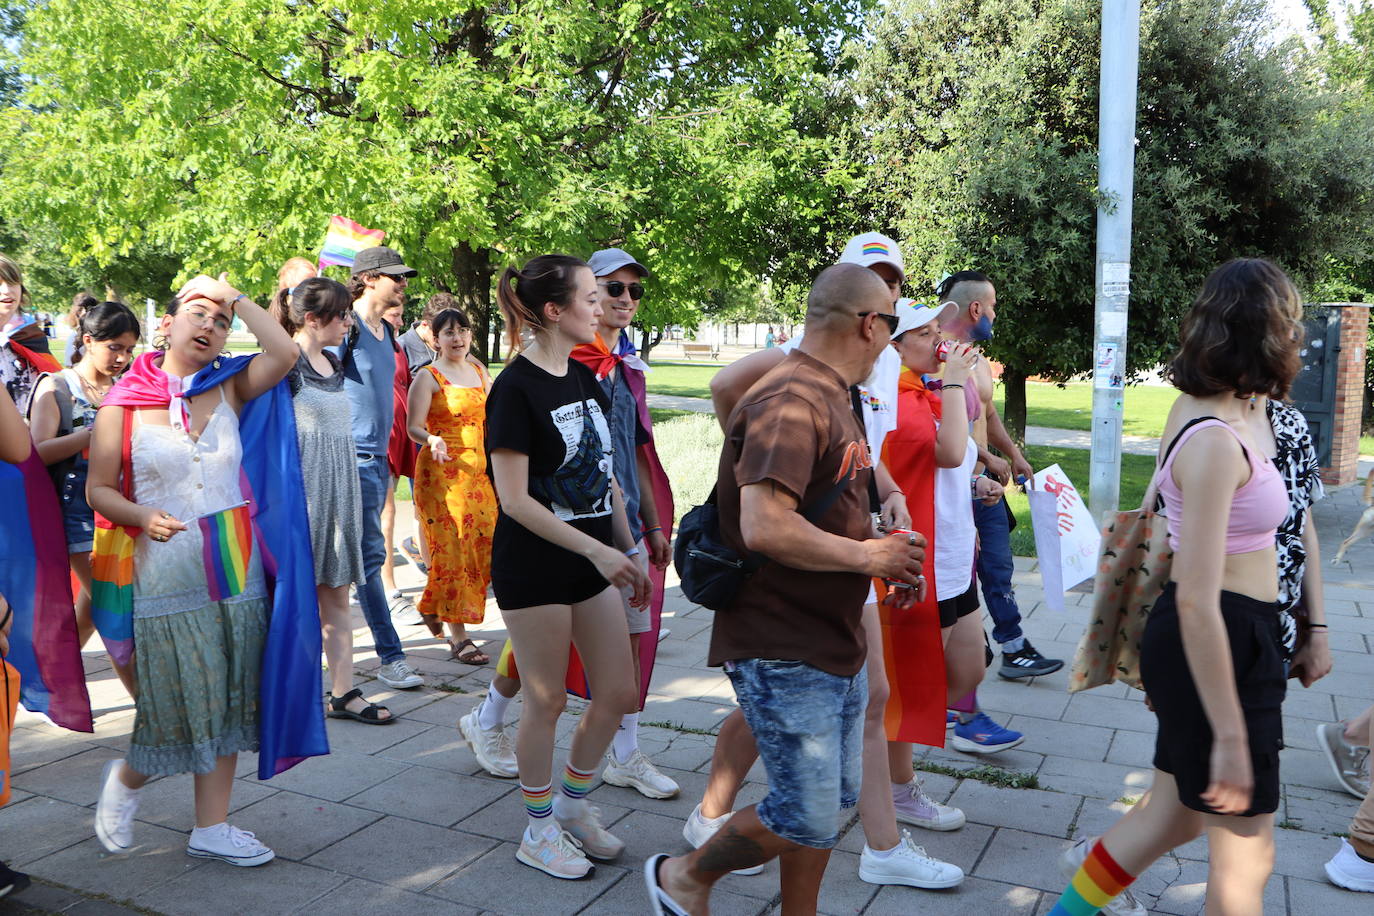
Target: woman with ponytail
(63, 419)
(317, 313)
(561, 551)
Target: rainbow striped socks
(1096, 882)
(538, 805)
(577, 783)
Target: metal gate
(1314, 390)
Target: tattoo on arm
(728, 850)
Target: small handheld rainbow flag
(345, 239)
(228, 537)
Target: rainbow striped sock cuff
(538, 802)
(577, 783)
(1094, 885)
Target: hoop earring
(160, 342)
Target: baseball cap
(873, 248)
(910, 315)
(609, 260)
(383, 260)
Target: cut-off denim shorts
(78, 518)
(808, 725)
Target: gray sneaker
(399, 676)
(1350, 762)
(403, 611)
(1123, 904)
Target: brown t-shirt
(797, 428)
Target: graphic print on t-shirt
(581, 487)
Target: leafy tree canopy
(475, 134)
(979, 124)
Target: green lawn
(1071, 407)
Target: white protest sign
(1072, 530)
(1044, 521)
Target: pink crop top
(1258, 507)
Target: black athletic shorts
(1183, 747)
(952, 609)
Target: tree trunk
(472, 272)
(648, 339)
(1014, 403)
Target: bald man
(792, 643)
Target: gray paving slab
(159, 857)
(402, 853)
(368, 898)
(975, 895)
(223, 890)
(337, 776)
(169, 800)
(298, 826)
(1033, 810)
(434, 798)
(37, 827)
(506, 886)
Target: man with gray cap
(648, 508)
(368, 355)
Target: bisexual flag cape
(597, 357)
(34, 578)
(290, 718)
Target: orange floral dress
(456, 504)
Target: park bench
(698, 349)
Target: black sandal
(372, 714)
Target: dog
(1365, 526)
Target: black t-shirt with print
(560, 423)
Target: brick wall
(1345, 441)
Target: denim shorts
(78, 519)
(808, 725)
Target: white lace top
(187, 478)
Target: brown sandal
(472, 656)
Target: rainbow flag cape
(345, 239)
(226, 547)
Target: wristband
(649, 531)
(632, 552)
(231, 302)
(947, 387)
(892, 493)
(1317, 626)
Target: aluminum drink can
(942, 350)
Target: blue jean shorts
(78, 518)
(808, 725)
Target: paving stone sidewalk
(400, 819)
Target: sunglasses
(615, 289)
(885, 316)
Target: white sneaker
(914, 806)
(638, 773)
(585, 827)
(553, 852)
(908, 864)
(228, 844)
(403, 610)
(491, 746)
(399, 676)
(1346, 869)
(115, 809)
(1123, 904)
(664, 633)
(698, 830)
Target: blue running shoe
(981, 735)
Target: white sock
(882, 853)
(626, 739)
(713, 821)
(536, 827)
(492, 713)
(201, 831)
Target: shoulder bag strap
(1152, 492)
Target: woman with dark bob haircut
(1210, 660)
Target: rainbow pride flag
(227, 548)
(345, 239)
(877, 248)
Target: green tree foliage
(979, 120)
(475, 134)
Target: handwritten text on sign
(1066, 539)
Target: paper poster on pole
(1065, 528)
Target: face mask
(981, 330)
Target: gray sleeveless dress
(333, 496)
